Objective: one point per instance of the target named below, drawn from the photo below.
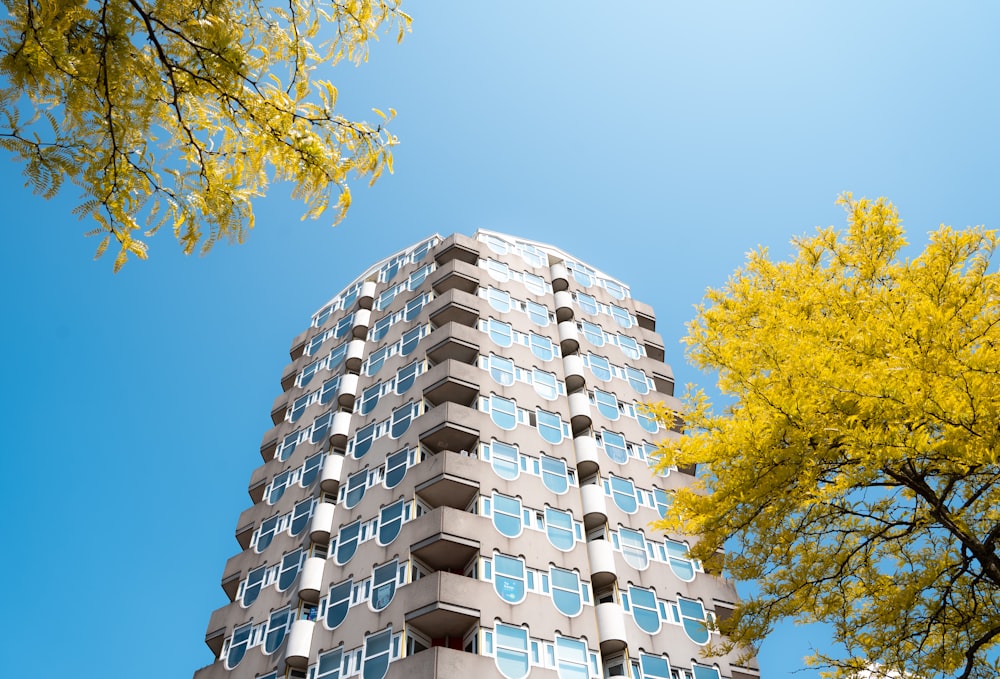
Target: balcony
(587, 461)
(573, 373)
(442, 430)
(355, 355)
(602, 563)
(340, 429)
(321, 523)
(311, 579)
(362, 319)
(299, 643)
(564, 306)
(458, 247)
(448, 490)
(439, 605)
(452, 382)
(456, 275)
(347, 391)
(366, 295)
(611, 627)
(569, 338)
(460, 343)
(579, 412)
(329, 477)
(454, 306)
(560, 276)
(595, 505)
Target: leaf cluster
(855, 475)
(181, 112)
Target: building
(457, 485)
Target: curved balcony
(579, 412)
(299, 643)
(595, 505)
(560, 276)
(340, 429)
(564, 306)
(329, 476)
(611, 627)
(355, 355)
(348, 391)
(573, 373)
(311, 579)
(366, 295)
(602, 563)
(569, 338)
(322, 522)
(362, 319)
(586, 455)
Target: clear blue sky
(658, 141)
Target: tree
(181, 112)
(854, 473)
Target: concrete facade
(457, 484)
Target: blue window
(623, 493)
(538, 314)
(586, 303)
(541, 347)
(582, 275)
(410, 340)
(628, 346)
(338, 603)
(406, 377)
(299, 406)
(329, 390)
(375, 361)
(501, 370)
(498, 299)
(300, 515)
(509, 578)
(615, 446)
(503, 412)
(328, 666)
(535, 284)
(599, 366)
(499, 271)
(566, 591)
(276, 626)
(680, 560)
(633, 546)
(401, 418)
(278, 485)
(396, 466)
(266, 532)
(496, 245)
(507, 515)
(320, 426)
(662, 499)
(693, 618)
(637, 379)
(559, 528)
(505, 460)
(363, 440)
(555, 475)
(414, 306)
(384, 584)
(593, 332)
(356, 485)
(289, 569)
(252, 587)
(616, 289)
(512, 651)
(607, 404)
(622, 316)
(377, 654)
(654, 667)
(369, 398)
(549, 426)
(703, 672)
(310, 469)
(390, 521)
(501, 333)
(533, 256)
(238, 645)
(571, 658)
(545, 384)
(646, 419)
(347, 542)
(645, 610)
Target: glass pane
(549, 426)
(541, 347)
(390, 522)
(339, 603)
(503, 412)
(554, 475)
(500, 333)
(504, 459)
(559, 528)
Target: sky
(657, 141)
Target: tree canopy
(854, 472)
(181, 112)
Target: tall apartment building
(457, 485)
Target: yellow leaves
(179, 106)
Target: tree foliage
(181, 112)
(856, 471)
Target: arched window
(369, 398)
(356, 485)
(555, 475)
(328, 666)
(549, 426)
(338, 603)
(377, 654)
(396, 466)
(276, 626)
(310, 469)
(586, 303)
(637, 379)
(693, 618)
(646, 419)
(301, 514)
(541, 347)
(559, 528)
(599, 366)
(289, 569)
(266, 533)
(507, 515)
(645, 611)
(278, 485)
(505, 460)
(401, 419)
(654, 667)
(384, 584)
(503, 412)
(622, 316)
(615, 446)
(538, 314)
(566, 591)
(501, 333)
(680, 560)
(633, 546)
(501, 370)
(571, 658)
(252, 586)
(363, 439)
(238, 646)
(545, 384)
(629, 346)
(623, 493)
(593, 332)
(406, 377)
(347, 542)
(390, 521)
(607, 404)
(498, 299)
(410, 340)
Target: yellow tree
(181, 112)
(854, 471)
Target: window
(512, 651)
(252, 587)
(289, 569)
(645, 611)
(406, 376)
(277, 624)
(633, 546)
(356, 485)
(375, 361)
(508, 578)
(328, 666)
(607, 404)
(662, 499)
(629, 346)
(637, 379)
(320, 426)
(369, 399)
(266, 533)
(504, 459)
(535, 284)
(622, 316)
(503, 412)
(501, 370)
(592, 332)
(538, 314)
(566, 591)
(310, 469)
(586, 303)
(338, 603)
(501, 333)
(623, 493)
(347, 542)
(646, 420)
(680, 560)
(498, 299)
(693, 619)
(555, 475)
(559, 528)
(414, 306)
(703, 672)
(549, 426)
(614, 446)
(654, 667)
(507, 515)
(401, 418)
(301, 514)
(363, 439)
(616, 289)
(410, 339)
(384, 579)
(571, 658)
(396, 466)
(545, 384)
(378, 647)
(541, 347)
(599, 366)
(278, 485)
(498, 271)
(238, 645)
(390, 522)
